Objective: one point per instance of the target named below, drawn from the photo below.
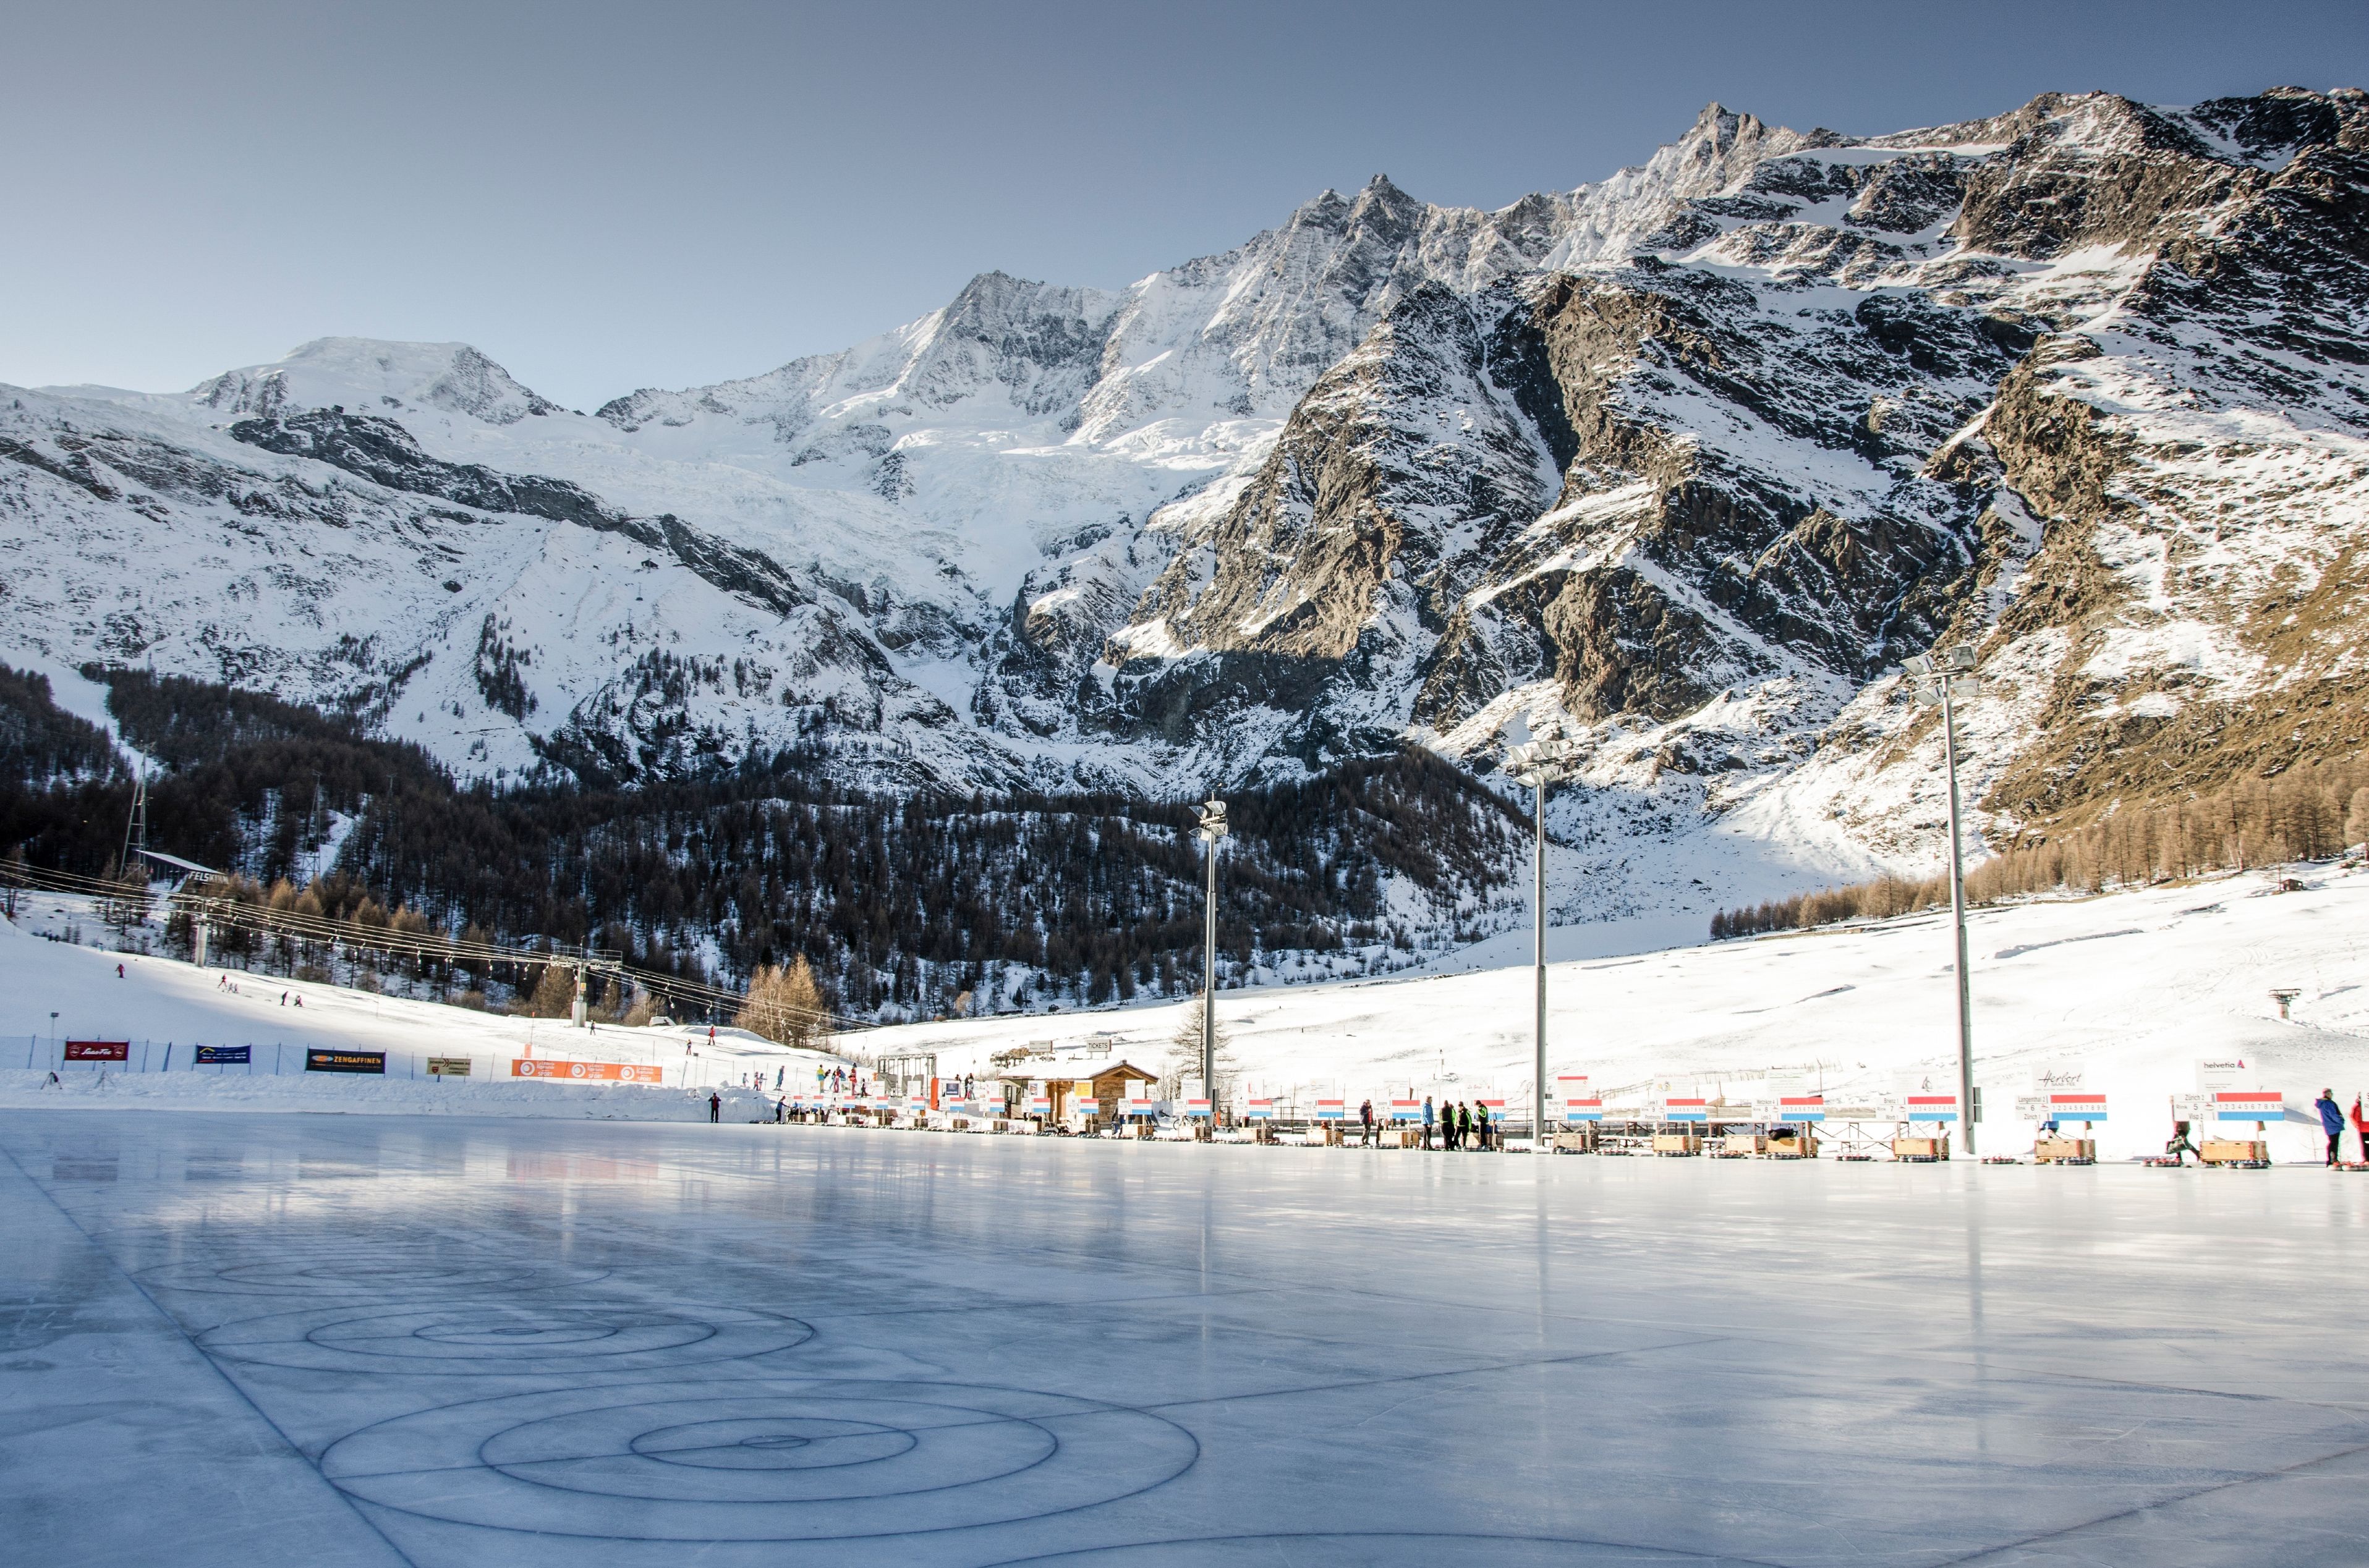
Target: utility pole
(1213, 828)
(1536, 765)
(1941, 680)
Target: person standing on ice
(714, 1107)
(2331, 1122)
(2361, 1130)
(1365, 1123)
(1427, 1121)
(1481, 1126)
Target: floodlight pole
(1957, 919)
(1213, 828)
(1537, 764)
(1539, 967)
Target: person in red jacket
(2361, 1128)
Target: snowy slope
(2130, 989)
(160, 1000)
(2134, 988)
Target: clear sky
(604, 196)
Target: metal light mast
(1941, 680)
(1535, 766)
(1213, 828)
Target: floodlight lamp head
(1960, 658)
(1916, 665)
(1213, 817)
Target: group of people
(2331, 1122)
(1460, 1126)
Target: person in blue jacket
(2331, 1120)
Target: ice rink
(242, 1339)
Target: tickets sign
(586, 1071)
(98, 1050)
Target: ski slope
(160, 1001)
(2135, 989)
(2132, 989)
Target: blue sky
(606, 196)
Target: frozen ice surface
(235, 1338)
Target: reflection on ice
(347, 1339)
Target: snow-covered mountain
(1682, 464)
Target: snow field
(2132, 989)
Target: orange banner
(586, 1071)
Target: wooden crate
(1921, 1150)
(1803, 1146)
(1741, 1145)
(1677, 1143)
(2234, 1151)
(2064, 1150)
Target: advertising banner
(98, 1050)
(448, 1066)
(225, 1056)
(319, 1060)
(586, 1071)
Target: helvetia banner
(225, 1056)
(98, 1050)
(586, 1071)
(317, 1061)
